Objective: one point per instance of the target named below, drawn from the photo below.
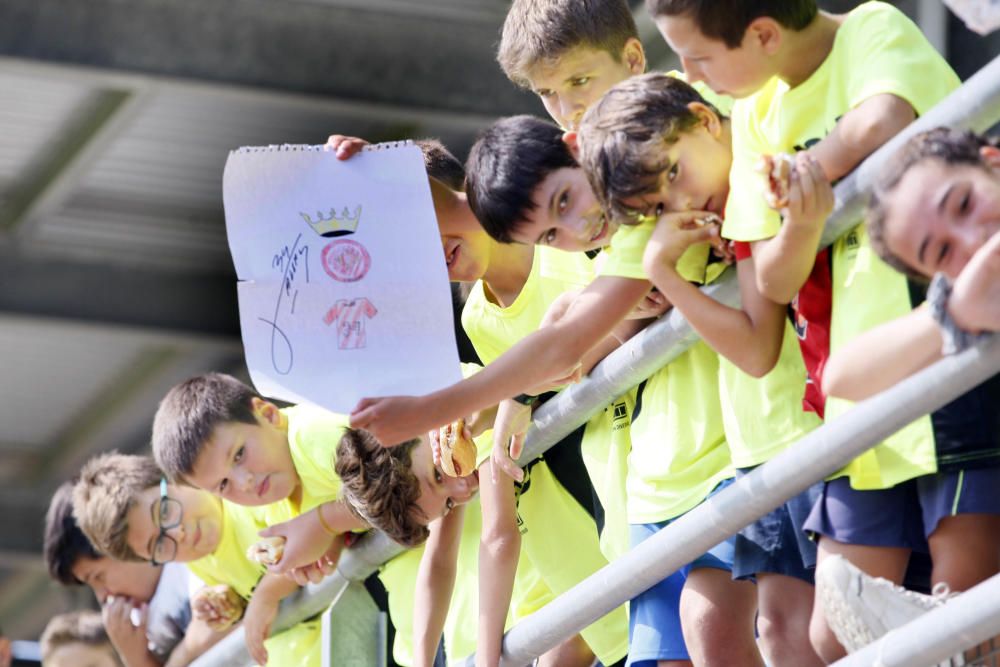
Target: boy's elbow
(761, 364)
(774, 289)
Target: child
(951, 178)
(218, 434)
(653, 145)
(568, 52)
(128, 510)
(167, 635)
(514, 285)
(77, 638)
(836, 87)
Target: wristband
(955, 338)
(526, 399)
(322, 522)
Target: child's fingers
(516, 446)
(363, 413)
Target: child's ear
(991, 156)
(572, 141)
(266, 410)
(706, 117)
(765, 34)
(634, 56)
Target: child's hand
(810, 195)
(975, 296)
(128, 639)
(394, 419)
(306, 541)
(260, 614)
(218, 607)
(676, 232)
(512, 422)
(652, 306)
(344, 146)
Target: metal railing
(976, 106)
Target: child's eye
(550, 237)
(239, 454)
(563, 202)
(449, 505)
(963, 205)
(658, 210)
(437, 476)
(672, 173)
(580, 81)
(223, 485)
(545, 92)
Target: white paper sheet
(363, 311)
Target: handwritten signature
(289, 261)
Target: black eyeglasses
(168, 515)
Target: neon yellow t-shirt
(228, 564)
(764, 416)
(462, 624)
(877, 50)
(493, 329)
(313, 434)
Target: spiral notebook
(343, 288)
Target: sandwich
(458, 453)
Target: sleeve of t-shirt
(748, 217)
(314, 440)
(889, 54)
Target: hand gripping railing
(976, 106)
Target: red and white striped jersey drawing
(349, 314)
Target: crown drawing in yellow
(331, 224)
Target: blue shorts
(776, 543)
(654, 624)
(906, 514)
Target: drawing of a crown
(333, 225)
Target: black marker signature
(288, 262)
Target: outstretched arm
(546, 355)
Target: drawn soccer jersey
(349, 314)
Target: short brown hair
(75, 627)
(953, 147)
(542, 31)
(380, 486)
(624, 137)
(441, 165)
(728, 21)
(65, 545)
(189, 414)
(109, 486)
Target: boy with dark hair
(569, 52)
(77, 638)
(168, 634)
(658, 156)
(836, 89)
(128, 510)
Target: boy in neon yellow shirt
(219, 435)
(127, 509)
(671, 151)
(832, 88)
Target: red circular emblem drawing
(346, 260)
